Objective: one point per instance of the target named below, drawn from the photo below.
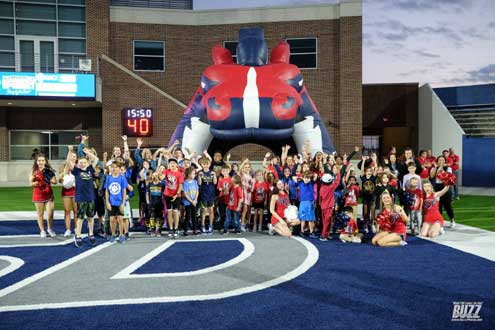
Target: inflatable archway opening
(254, 100)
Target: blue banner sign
(31, 84)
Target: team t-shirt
(114, 186)
(234, 198)
(260, 192)
(190, 189)
(368, 185)
(306, 191)
(85, 191)
(155, 192)
(173, 180)
(417, 197)
(351, 196)
(223, 186)
(207, 187)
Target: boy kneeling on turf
(350, 233)
(85, 195)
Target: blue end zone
(351, 286)
(39, 258)
(185, 256)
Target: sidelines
(126, 273)
(468, 239)
(309, 261)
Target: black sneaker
(92, 240)
(238, 232)
(77, 241)
(225, 232)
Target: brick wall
(335, 86)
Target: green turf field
(477, 211)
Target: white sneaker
(403, 243)
(243, 228)
(452, 224)
(43, 234)
(442, 231)
(270, 229)
(260, 228)
(373, 229)
(51, 233)
(67, 233)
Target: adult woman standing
(68, 189)
(41, 179)
(392, 223)
(438, 185)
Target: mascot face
(259, 101)
(253, 100)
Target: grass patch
(476, 211)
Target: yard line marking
(58, 243)
(310, 261)
(14, 264)
(126, 273)
(29, 280)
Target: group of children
(187, 189)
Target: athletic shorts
(114, 211)
(172, 204)
(156, 210)
(85, 209)
(258, 206)
(205, 204)
(100, 206)
(306, 211)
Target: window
(304, 52)
(149, 55)
(232, 46)
(53, 144)
(371, 143)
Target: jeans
(234, 218)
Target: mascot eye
(207, 84)
(296, 82)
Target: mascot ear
(281, 53)
(221, 55)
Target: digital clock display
(137, 122)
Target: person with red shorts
(41, 179)
(392, 223)
(279, 203)
(432, 218)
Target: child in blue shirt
(115, 196)
(306, 205)
(190, 191)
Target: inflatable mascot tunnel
(251, 101)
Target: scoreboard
(137, 122)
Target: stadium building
(72, 67)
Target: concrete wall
(16, 174)
(438, 130)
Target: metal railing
(41, 63)
(166, 4)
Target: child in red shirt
(327, 200)
(350, 234)
(223, 186)
(234, 206)
(351, 195)
(172, 192)
(260, 193)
